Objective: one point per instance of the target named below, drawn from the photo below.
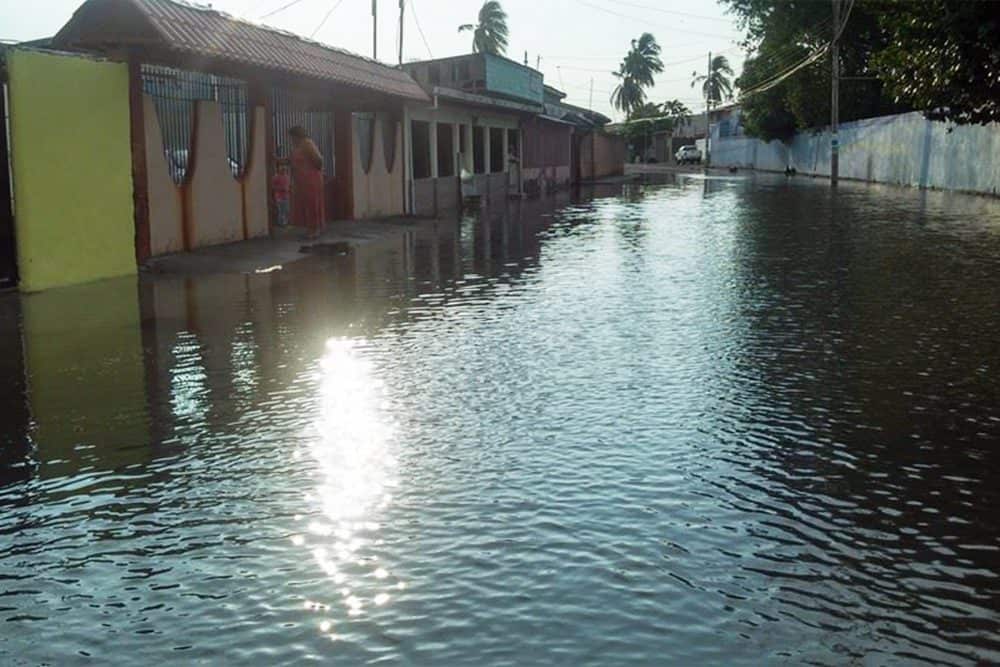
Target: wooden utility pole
(402, 5)
(375, 29)
(708, 108)
(835, 98)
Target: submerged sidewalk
(284, 246)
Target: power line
(323, 22)
(413, 10)
(647, 22)
(670, 11)
(281, 9)
(805, 62)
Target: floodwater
(726, 421)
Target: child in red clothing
(280, 186)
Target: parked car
(688, 154)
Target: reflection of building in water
(17, 462)
(85, 388)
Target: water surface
(726, 421)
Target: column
(486, 149)
(455, 143)
(407, 161)
(433, 140)
(469, 151)
(506, 149)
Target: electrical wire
(671, 11)
(281, 9)
(323, 22)
(805, 62)
(648, 23)
(413, 10)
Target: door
(8, 250)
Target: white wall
(905, 149)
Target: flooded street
(730, 421)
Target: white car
(686, 154)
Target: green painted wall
(72, 167)
(510, 78)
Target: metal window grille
(290, 109)
(175, 93)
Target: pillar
(455, 143)
(469, 150)
(486, 150)
(433, 140)
(506, 149)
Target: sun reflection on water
(357, 473)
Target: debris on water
(338, 248)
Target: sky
(578, 41)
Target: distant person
(307, 182)
(281, 186)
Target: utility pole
(402, 5)
(526, 57)
(708, 109)
(375, 29)
(538, 63)
(591, 107)
(835, 99)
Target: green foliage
(781, 34)
(717, 84)
(636, 72)
(943, 56)
(490, 34)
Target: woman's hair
(298, 132)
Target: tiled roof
(201, 31)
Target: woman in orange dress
(307, 183)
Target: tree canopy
(636, 72)
(490, 34)
(938, 56)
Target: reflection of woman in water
(307, 182)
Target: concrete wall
(256, 222)
(905, 149)
(378, 193)
(601, 155)
(166, 217)
(72, 167)
(213, 201)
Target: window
(421, 149)
(446, 150)
(434, 74)
(463, 71)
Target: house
(165, 119)
(480, 101)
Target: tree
(637, 69)
(716, 85)
(943, 56)
(677, 112)
(490, 34)
(781, 34)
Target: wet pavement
(733, 421)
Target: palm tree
(678, 112)
(636, 72)
(490, 34)
(715, 85)
(628, 95)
